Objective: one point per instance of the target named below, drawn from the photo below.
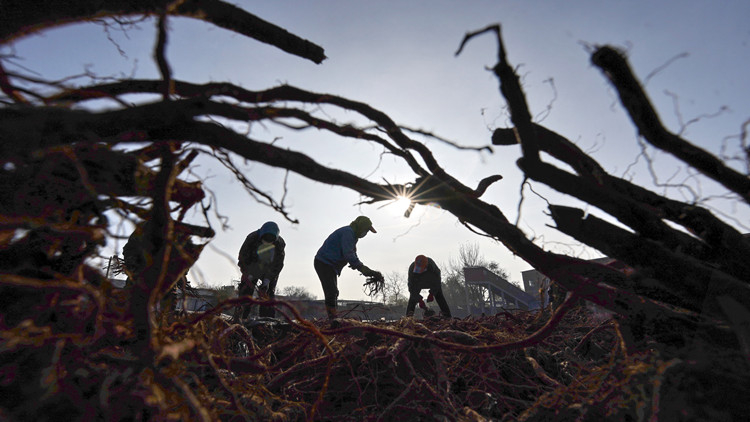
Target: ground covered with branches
(511, 366)
(74, 347)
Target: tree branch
(679, 276)
(726, 245)
(645, 118)
(20, 18)
(510, 87)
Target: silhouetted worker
(142, 261)
(339, 249)
(261, 258)
(140, 254)
(425, 274)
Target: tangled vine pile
(74, 347)
(511, 366)
(211, 369)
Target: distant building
(500, 293)
(201, 300)
(356, 309)
(197, 300)
(538, 284)
(119, 283)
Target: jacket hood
(269, 228)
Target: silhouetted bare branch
(18, 19)
(635, 101)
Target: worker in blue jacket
(339, 249)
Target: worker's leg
(328, 279)
(270, 292)
(442, 303)
(246, 288)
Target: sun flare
(400, 205)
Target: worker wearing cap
(339, 249)
(425, 274)
(261, 258)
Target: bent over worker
(339, 249)
(425, 274)
(261, 258)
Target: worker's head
(269, 232)
(361, 226)
(420, 264)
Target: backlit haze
(398, 56)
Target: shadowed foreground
(499, 367)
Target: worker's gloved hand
(263, 288)
(367, 272)
(378, 275)
(430, 297)
(246, 279)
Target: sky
(398, 56)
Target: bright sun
(399, 205)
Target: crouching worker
(339, 249)
(425, 274)
(261, 258)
